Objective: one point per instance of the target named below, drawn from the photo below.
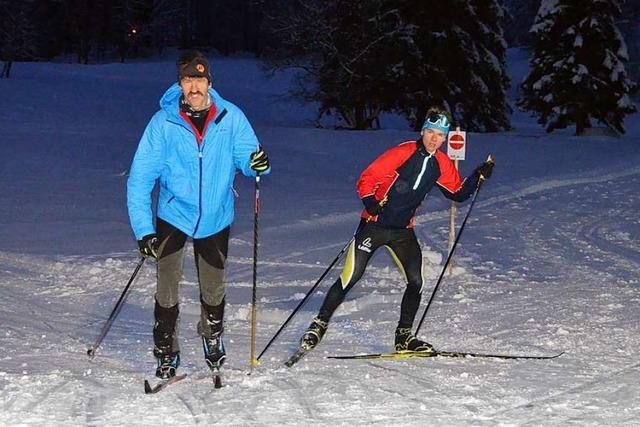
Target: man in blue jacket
(192, 148)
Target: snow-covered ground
(548, 262)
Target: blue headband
(436, 121)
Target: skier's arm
(450, 182)
(464, 192)
(378, 177)
(145, 170)
(469, 184)
(245, 143)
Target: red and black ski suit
(404, 175)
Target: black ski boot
(314, 334)
(166, 348)
(211, 329)
(167, 365)
(214, 352)
(406, 341)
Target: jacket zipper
(199, 187)
(199, 141)
(424, 168)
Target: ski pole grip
(489, 160)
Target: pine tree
(352, 52)
(18, 34)
(488, 109)
(366, 57)
(629, 24)
(577, 69)
(457, 61)
(163, 22)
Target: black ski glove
(485, 170)
(259, 161)
(372, 206)
(148, 246)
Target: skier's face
(195, 91)
(432, 139)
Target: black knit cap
(192, 63)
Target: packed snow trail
(564, 279)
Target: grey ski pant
(210, 256)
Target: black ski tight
(404, 249)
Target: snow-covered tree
(366, 57)
(456, 60)
(578, 66)
(352, 53)
(488, 109)
(629, 24)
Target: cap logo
(200, 68)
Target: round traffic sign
(456, 142)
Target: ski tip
(147, 387)
(295, 358)
(217, 382)
(289, 363)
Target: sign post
(456, 149)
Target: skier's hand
(148, 246)
(485, 170)
(259, 161)
(373, 206)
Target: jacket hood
(169, 101)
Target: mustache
(196, 93)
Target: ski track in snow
(105, 395)
(304, 391)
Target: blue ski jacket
(195, 172)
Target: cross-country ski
(442, 353)
(162, 384)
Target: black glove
(148, 246)
(372, 206)
(485, 170)
(259, 161)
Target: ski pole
(256, 210)
(455, 243)
(91, 352)
(306, 297)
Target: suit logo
(365, 245)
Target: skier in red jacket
(391, 189)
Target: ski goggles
(437, 121)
